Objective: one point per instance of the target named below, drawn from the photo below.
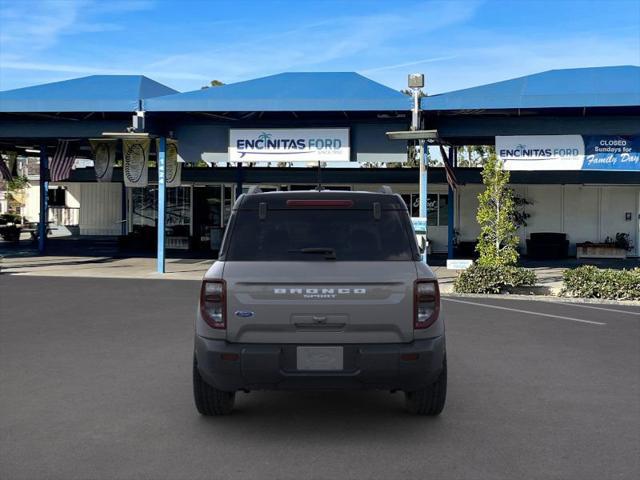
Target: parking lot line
(598, 308)
(579, 320)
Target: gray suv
(319, 290)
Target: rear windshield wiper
(329, 253)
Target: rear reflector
(231, 357)
(320, 203)
(409, 357)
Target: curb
(544, 298)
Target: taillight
(426, 303)
(213, 303)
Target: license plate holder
(320, 358)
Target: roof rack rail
(254, 189)
(385, 189)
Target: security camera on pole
(416, 83)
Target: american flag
(4, 170)
(451, 175)
(62, 161)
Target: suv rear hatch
(320, 268)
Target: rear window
(338, 234)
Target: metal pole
(415, 93)
(423, 190)
(239, 175)
(450, 207)
(123, 211)
(44, 199)
(422, 159)
(162, 148)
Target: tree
(474, 155)
(213, 83)
(496, 210)
(15, 194)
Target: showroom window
(437, 207)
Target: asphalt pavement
(95, 383)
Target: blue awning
(570, 88)
(288, 92)
(96, 93)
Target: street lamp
(416, 83)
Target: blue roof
(577, 87)
(298, 92)
(96, 93)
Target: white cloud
(408, 64)
(497, 57)
(436, 37)
(314, 46)
(30, 27)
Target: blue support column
(423, 189)
(450, 207)
(162, 190)
(44, 199)
(239, 179)
(123, 211)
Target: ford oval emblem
(244, 314)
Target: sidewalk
(104, 267)
(186, 269)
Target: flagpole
(44, 199)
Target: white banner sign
(104, 157)
(136, 162)
(541, 152)
(289, 145)
(458, 264)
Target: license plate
(320, 358)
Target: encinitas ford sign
(289, 145)
(541, 152)
(569, 152)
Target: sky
(185, 44)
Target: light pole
(416, 83)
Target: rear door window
(316, 234)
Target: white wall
(73, 195)
(32, 202)
(614, 203)
(546, 211)
(100, 208)
(583, 212)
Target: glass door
(207, 218)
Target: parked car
(319, 290)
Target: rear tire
(430, 400)
(209, 400)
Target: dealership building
(571, 139)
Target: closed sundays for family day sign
(569, 152)
(289, 145)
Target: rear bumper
(273, 367)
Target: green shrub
(592, 282)
(493, 279)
